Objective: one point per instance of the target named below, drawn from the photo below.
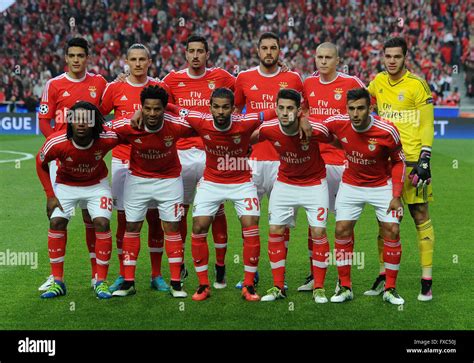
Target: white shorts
(97, 199)
(209, 196)
(119, 173)
(286, 199)
(143, 193)
(333, 177)
(264, 175)
(350, 202)
(53, 171)
(193, 162)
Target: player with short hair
(124, 98)
(405, 99)
(256, 89)
(154, 178)
(301, 182)
(227, 176)
(325, 95)
(81, 177)
(374, 176)
(191, 88)
(59, 95)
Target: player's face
(326, 60)
(196, 55)
(153, 113)
(268, 52)
(221, 109)
(76, 59)
(82, 123)
(358, 111)
(287, 112)
(138, 62)
(394, 60)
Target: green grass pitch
(24, 228)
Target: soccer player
(325, 95)
(405, 99)
(374, 176)
(191, 88)
(59, 95)
(227, 176)
(124, 98)
(81, 177)
(256, 89)
(301, 182)
(154, 178)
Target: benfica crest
(304, 145)
(283, 85)
(236, 139)
(92, 91)
(98, 154)
(168, 141)
(372, 144)
(211, 84)
(338, 94)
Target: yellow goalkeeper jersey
(408, 103)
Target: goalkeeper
(405, 99)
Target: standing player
(226, 138)
(301, 182)
(256, 89)
(154, 178)
(325, 95)
(59, 95)
(405, 99)
(374, 176)
(81, 177)
(191, 88)
(124, 98)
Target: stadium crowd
(34, 32)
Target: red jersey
(325, 99)
(124, 98)
(61, 93)
(226, 150)
(257, 92)
(194, 93)
(300, 160)
(79, 166)
(153, 153)
(374, 155)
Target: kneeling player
(375, 176)
(81, 177)
(301, 182)
(154, 179)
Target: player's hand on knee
(51, 204)
(396, 208)
(136, 121)
(421, 173)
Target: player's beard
(224, 124)
(268, 65)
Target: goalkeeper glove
(421, 173)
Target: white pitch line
(25, 156)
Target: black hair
(197, 38)
(155, 93)
(395, 43)
(139, 46)
(223, 92)
(78, 42)
(290, 94)
(357, 94)
(97, 118)
(268, 35)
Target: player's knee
(391, 231)
(276, 229)
(318, 232)
(101, 224)
(250, 221)
(170, 227)
(200, 226)
(133, 226)
(343, 230)
(58, 224)
(419, 213)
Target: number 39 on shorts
(106, 203)
(250, 202)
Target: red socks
(344, 249)
(310, 250)
(392, 253)
(90, 241)
(277, 256)
(155, 241)
(200, 253)
(121, 225)
(174, 251)
(251, 253)
(131, 248)
(103, 249)
(219, 233)
(57, 250)
(320, 260)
